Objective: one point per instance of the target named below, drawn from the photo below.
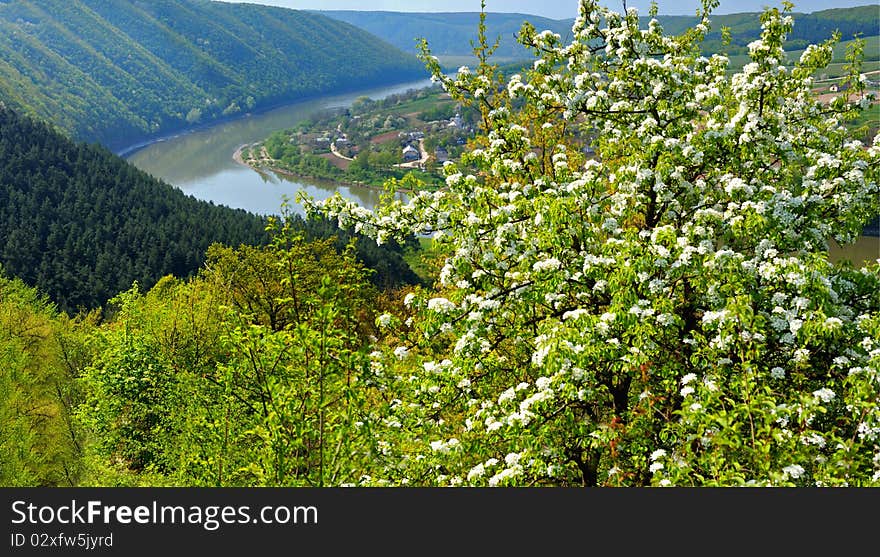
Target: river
(200, 163)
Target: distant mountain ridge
(449, 34)
(117, 72)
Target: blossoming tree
(661, 311)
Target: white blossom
(384, 320)
(440, 305)
(793, 471)
(824, 394)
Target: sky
(554, 9)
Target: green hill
(116, 72)
(811, 28)
(82, 224)
(449, 34)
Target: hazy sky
(556, 9)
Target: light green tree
(247, 375)
(41, 352)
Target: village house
(410, 154)
(456, 122)
(411, 136)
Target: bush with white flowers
(661, 313)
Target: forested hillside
(118, 71)
(82, 224)
(812, 28)
(449, 34)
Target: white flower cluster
(445, 447)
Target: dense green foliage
(118, 71)
(661, 313)
(246, 375)
(386, 267)
(82, 224)
(450, 34)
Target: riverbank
(238, 157)
(375, 142)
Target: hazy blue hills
(449, 34)
(119, 71)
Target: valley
(613, 263)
